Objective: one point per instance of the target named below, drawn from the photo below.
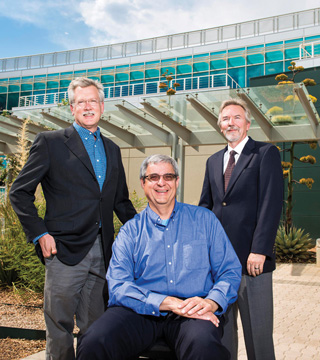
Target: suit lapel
(109, 158)
(218, 175)
(242, 163)
(75, 145)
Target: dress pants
(122, 334)
(72, 290)
(255, 304)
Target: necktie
(229, 169)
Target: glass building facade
(203, 59)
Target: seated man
(173, 272)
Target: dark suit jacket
(251, 207)
(75, 206)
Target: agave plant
(294, 246)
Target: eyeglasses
(83, 103)
(156, 177)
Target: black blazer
(250, 209)
(75, 206)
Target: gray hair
(238, 102)
(155, 159)
(84, 82)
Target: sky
(30, 27)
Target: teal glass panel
(316, 37)
(3, 101)
(201, 56)
(274, 68)
(299, 40)
(171, 70)
(26, 93)
(94, 77)
(136, 75)
(3, 89)
(316, 49)
(39, 86)
(255, 59)
(137, 65)
(218, 64)
(90, 71)
(64, 83)
(14, 88)
(274, 55)
(38, 92)
(56, 75)
(152, 73)
(254, 71)
(184, 69)
(52, 85)
(238, 75)
(13, 100)
(167, 60)
(122, 77)
(200, 66)
(236, 61)
(26, 87)
(107, 79)
(278, 43)
(52, 91)
(217, 72)
(293, 53)
(80, 73)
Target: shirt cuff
(153, 303)
(35, 241)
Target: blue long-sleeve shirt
(190, 256)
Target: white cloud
(112, 21)
(81, 23)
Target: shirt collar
(238, 149)
(155, 218)
(85, 132)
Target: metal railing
(309, 50)
(271, 25)
(143, 88)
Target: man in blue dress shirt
(83, 182)
(173, 272)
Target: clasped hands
(195, 308)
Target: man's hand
(255, 264)
(48, 245)
(195, 308)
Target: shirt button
(99, 176)
(171, 281)
(224, 204)
(153, 313)
(168, 246)
(170, 262)
(97, 160)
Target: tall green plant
(288, 166)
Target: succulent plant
(294, 246)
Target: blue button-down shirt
(95, 149)
(189, 256)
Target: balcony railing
(309, 50)
(120, 91)
(271, 25)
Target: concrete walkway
(296, 314)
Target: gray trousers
(255, 304)
(72, 291)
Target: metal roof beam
(305, 101)
(181, 131)
(57, 121)
(32, 127)
(211, 118)
(122, 134)
(154, 129)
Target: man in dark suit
(83, 182)
(243, 186)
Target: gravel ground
(21, 310)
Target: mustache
(233, 128)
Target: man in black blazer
(245, 191)
(83, 182)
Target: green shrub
(294, 246)
(138, 203)
(19, 264)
